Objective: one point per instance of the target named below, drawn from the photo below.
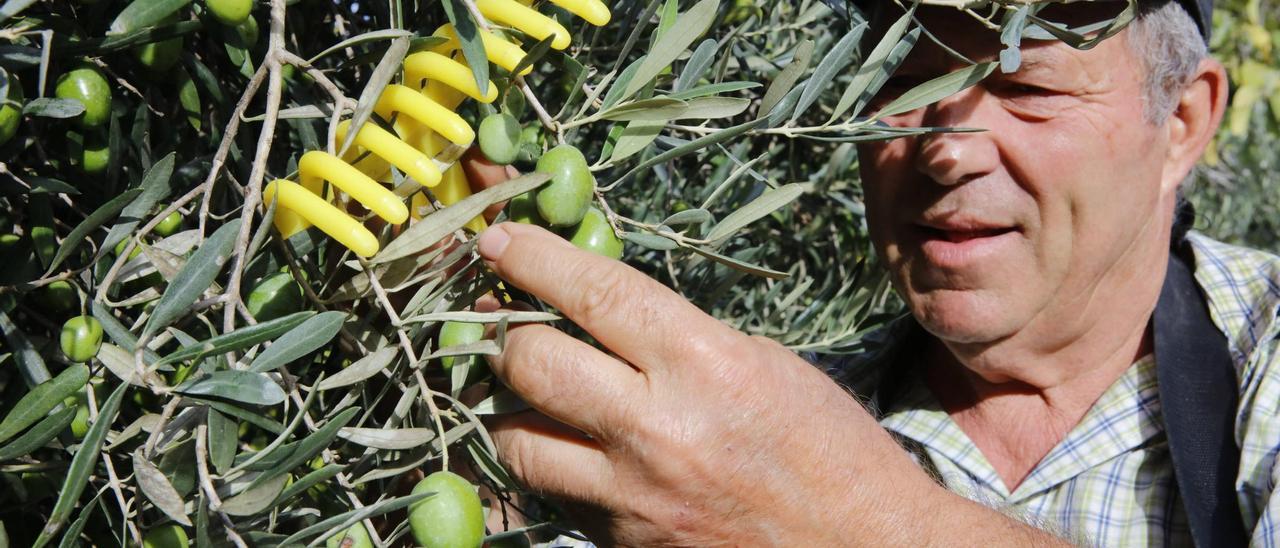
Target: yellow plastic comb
(426, 125)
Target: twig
(91, 399)
(407, 346)
(202, 466)
(252, 195)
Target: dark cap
(1201, 11)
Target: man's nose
(956, 158)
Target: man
(1031, 257)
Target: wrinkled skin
(686, 432)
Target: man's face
(1034, 222)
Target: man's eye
(1025, 89)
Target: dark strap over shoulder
(1198, 393)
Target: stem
(253, 194)
(406, 345)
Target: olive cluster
(564, 204)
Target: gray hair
(1166, 40)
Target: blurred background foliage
(1237, 186)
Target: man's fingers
(566, 378)
(631, 314)
(551, 458)
(482, 174)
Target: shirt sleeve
(1258, 431)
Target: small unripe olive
(96, 156)
(564, 201)
(168, 226)
(86, 84)
(458, 334)
(81, 338)
(11, 111)
(166, 536)
(230, 12)
(355, 536)
(594, 234)
(160, 56)
(451, 518)
(276, 296)
(499, 136)
(524, 209)
(80, 422)
(59, 296)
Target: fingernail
(493, 242)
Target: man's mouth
(955, 235)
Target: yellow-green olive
(11, 110)
(458, 334)
(96, 156)
(451, 518)
(230, 12)
(275, 296)
(59, 296)
(169, 225)
(166, 536)
(160, 56)
(81, 338)
(86, 84)
(499, 136)
(594, 234)
(524, 209)
(564, 201)
(355, 536)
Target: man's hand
(695, 434)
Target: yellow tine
(526, 19)
(499, 51)
(406, 101)
(433, 66)
(317, 165)
(389, 147)
(418, 205)
(329, 219)
(444, 95)
(593, 11)
(453, 185)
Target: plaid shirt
(1110, 481)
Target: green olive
(458, 334)
(452, 518)
(355, 536)
(564, 201)
(594, 234)
(524, 209)
(530, 149)
(120, 249)
(499, 136)
(46, 244)
(59, 296)
(169, 226)
(275, 296)
(96, 156)
(189, 98)
(81, 338)
(230, 12)
(166, 536)
(11, 112)
(160, 56)
(80, 422)
(86, 84)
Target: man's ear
(1195, 120)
